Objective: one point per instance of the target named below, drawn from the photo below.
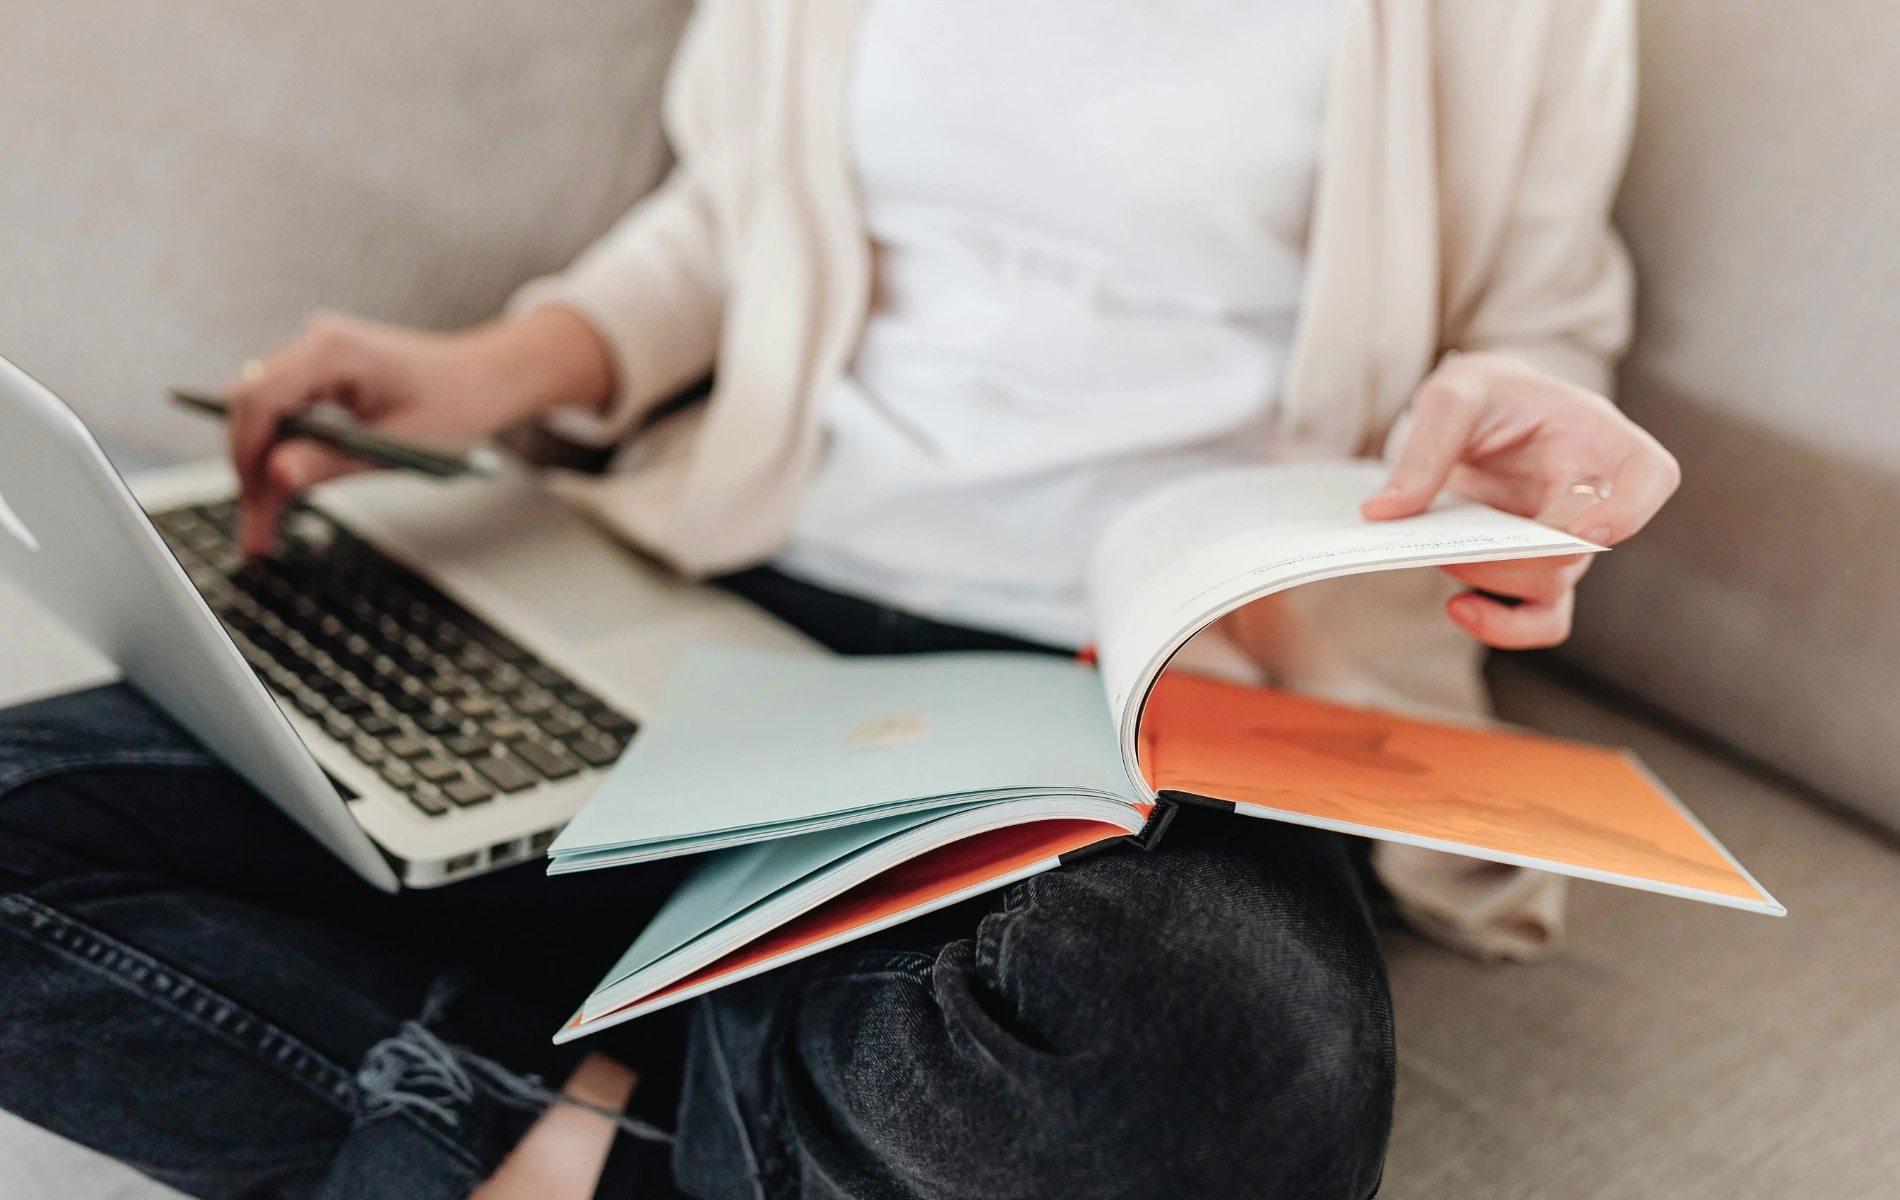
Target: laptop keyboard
(449, 711)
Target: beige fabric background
(1673, 1051)
(1764, 603)
(181, 182)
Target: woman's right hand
(450, 389)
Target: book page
(931, 881)
(1495, 794)
(736, 896)
(1194, 551)
(750, 745)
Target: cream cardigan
(1471, 153)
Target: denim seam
(186, 998)
(988, 951)
(48, 768)
(900, 962)
(731, 1095)
(856, 977)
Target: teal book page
(751, 743)
(732, 882)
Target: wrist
(549, 357)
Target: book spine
(1189, 798)
(1149, 837)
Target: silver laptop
(430, 677)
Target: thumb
(1445, 412)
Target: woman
(973, 275)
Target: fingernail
(1600, 534)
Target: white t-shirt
(1089, 224)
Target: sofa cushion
(1759, 207)
(183, 182)
(1675, 1049)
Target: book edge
(572, 1031)
(1766, 905)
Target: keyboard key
(436, 770)
(308, 702)
(609, 721)
(398, 775)
(428, 801)
(467, 791)
(338, 726)
(376, 724)
(349, 704)
(467, 745)
(504, 773)
(546, 676)
(550, 761)
(474, 658)
(436, 723)
(562, 722)
(504, 680)
(504, 729)
(576, 698)
(595, 752)
(475, 706)
(533, 703)
(367, 749)
(404, 746)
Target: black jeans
(192, 986)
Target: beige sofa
(178, 184)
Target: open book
(840, 796)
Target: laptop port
(460, 863)
(539, 843)
(501, 852)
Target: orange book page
(943, 872)
(1490, 790)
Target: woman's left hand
(1499, 432)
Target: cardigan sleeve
(1559, 291)
(654, 285)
